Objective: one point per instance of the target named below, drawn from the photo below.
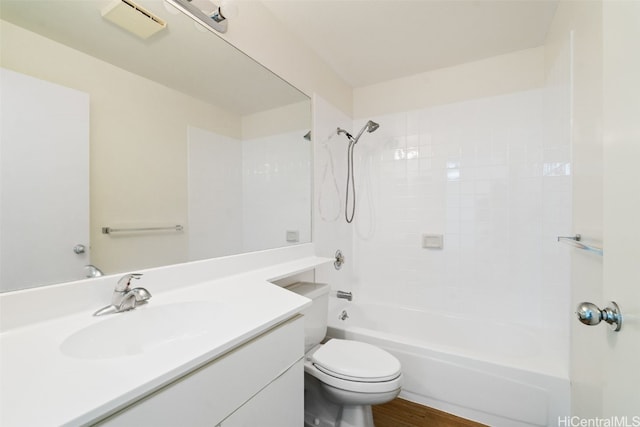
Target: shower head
(372, 126)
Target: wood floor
(402, 413)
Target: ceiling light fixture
(207, 13)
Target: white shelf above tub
(576, 242)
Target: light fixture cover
(195, 13)
(133, 18)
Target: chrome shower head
(372, 126)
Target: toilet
(343, 378)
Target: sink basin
(144, 329)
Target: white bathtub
(493, 373)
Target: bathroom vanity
(224, 349)
(257, 383)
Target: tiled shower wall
(270, 188)
(493, 176)
(276, 183)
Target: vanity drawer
(209, 394)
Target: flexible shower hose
(350, 183)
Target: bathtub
(493, 373)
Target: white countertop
(41, 385)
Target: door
(621, 126)
(44, 182)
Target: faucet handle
(142, 295)
(125, 281)
(128, 303)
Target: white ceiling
(364, 41)
(370, 41)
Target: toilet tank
(315, 316)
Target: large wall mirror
(127, 153)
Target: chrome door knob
(589, 314)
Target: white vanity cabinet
(259, 383)
(280, 404)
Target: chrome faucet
(93, 271)
(345, 295)
(124, 298)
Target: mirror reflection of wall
(143, 149)
(264, 175)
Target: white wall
(266, 179)
(131, 117)
(502, 74)
(276, 178)
(292, 117)
(139, 141)
(276, 190)
(259, 34)
(476, 162)
(478, 172)
(330, 230)
(215, 194)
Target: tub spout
(345, 295)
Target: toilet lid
(356, 361)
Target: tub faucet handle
(339, 260)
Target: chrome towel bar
(576, 242)
(109, 230)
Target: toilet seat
(355, 361)
(354, 366)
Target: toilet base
(318, 411)
(326, 406)
(355, 416)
